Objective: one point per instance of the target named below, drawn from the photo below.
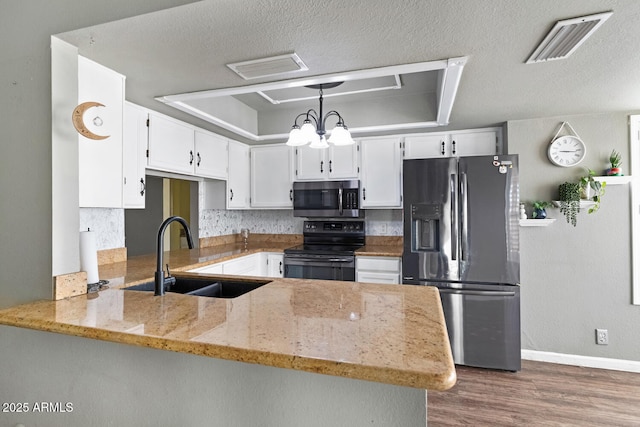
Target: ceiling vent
(566, 36)
(275, 65)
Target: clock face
(566, 151)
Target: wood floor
(542, 394)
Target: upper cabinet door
(100, 160)
(271, 177)
(310, 163)
(343, 161)
(171, 145)
(427, 146)
(135, 135)
(238, 185)
(381, 181)
(476, 143)
(335, 162)
(211, 153)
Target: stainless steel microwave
(327, 199)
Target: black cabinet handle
(453, 147)
(143, 187)
(291, 195)
(199, 159)
(191, 158)
(443, 148)
(330, 166)
(231, 192)
(364, 194)
(321, 166)
(280, 267)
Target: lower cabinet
(376, 269)
(249, 265)
(275, 264)
(265, 264)
(209, 269)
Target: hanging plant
(570, 201)
(592, 190)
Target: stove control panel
(334, 227)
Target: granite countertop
(140, 268)
(384, 333)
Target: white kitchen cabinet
(427, 146)
(134, 140)
(375, 269)
(100, 160)
(381, 173)
(209, 269)
(171, 145)
(275, 264)
(238, 183)
(212, 157)
(472, 142)
(271, 177)
(477, 142)
(250, 265)
(335, 162)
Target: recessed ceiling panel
(303, 93)
(367, 94)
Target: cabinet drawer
(388, 264)
(378, 277)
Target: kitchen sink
(204, 287)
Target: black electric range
(327, 251)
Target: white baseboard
(586, 361)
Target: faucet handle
(168, 272)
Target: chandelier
(314, 133)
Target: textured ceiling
(185, 49)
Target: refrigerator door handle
(464, 216)
(478, 293)
(454, 218)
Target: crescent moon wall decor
(78, 120)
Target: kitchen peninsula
(393, 337)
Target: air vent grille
(566, 36)
(275, 65)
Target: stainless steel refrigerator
(461, 219)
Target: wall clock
(566, 151)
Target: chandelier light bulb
(308, 132)
(340, 135)
(295, 137)
(319, 142)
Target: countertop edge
(438, 381)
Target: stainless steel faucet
(159, 276)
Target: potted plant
(539, 209)
(570, 201)
(615, 158)
(592, 190)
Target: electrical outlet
(602, 337)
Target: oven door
(321, 267)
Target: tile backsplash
(220, 222)
(108, 224)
